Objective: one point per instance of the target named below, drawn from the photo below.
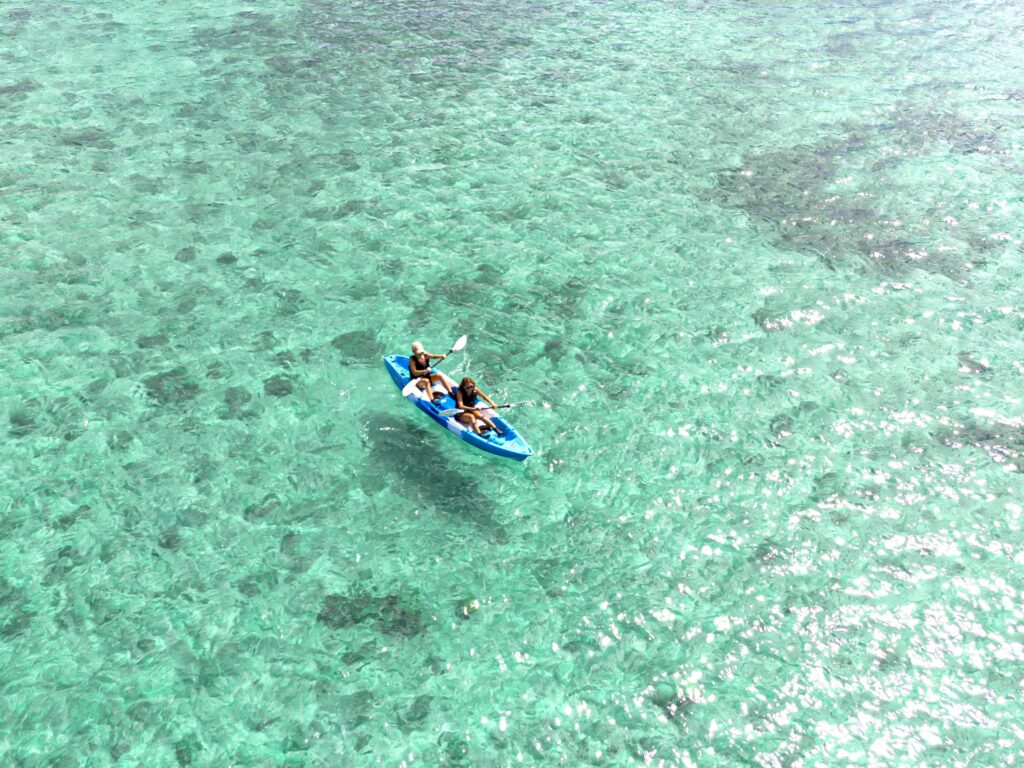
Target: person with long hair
(466, 398)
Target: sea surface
(759, 265)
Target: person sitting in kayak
(466, 398)
(419, 368)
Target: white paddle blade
(410, 388)
(448, 412)
(459, 344)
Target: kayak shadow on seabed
(413, 460)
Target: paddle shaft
(453, 411)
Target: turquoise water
(759, 265)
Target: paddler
(466, 398)
(419, 368)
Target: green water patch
(814, 198)
(773, 510)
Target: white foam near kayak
(510, 445)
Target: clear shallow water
(762, 263)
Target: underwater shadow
(792, 193)
(412, 460)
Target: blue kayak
(511, 445)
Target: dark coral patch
(170, 539)
(148, 342)
(391, 614)
(263, 508)
(339, 611)
(171, 387)
(357, 346)
(278, 386)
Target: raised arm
(485, 397)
